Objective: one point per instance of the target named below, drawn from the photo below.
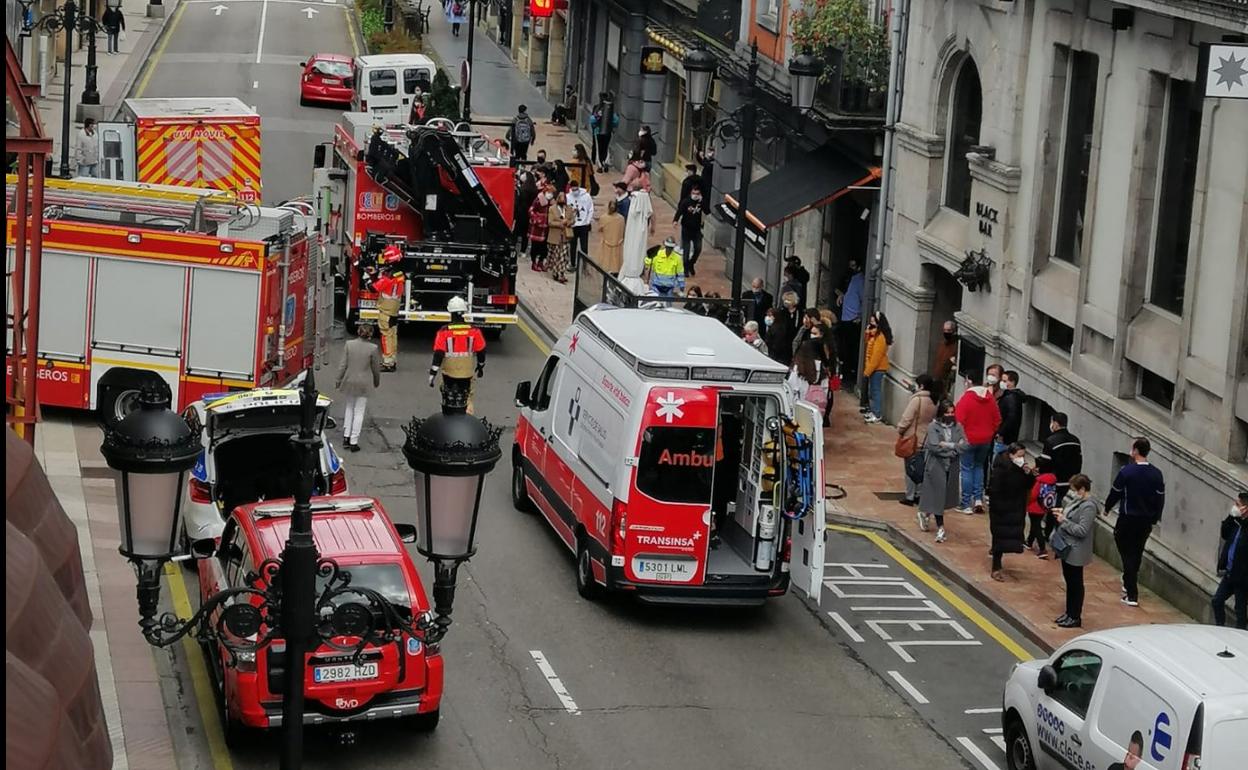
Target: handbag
(594, 189)
(915, 466)
(906, 446)
(1058, 543)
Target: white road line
(993, 731)
(928, 606)
(900, 647)
(978, 753)
(982, 711)
(846, 627)
(264, 15)
(905, 685)
(552, 679)
(1000, 741)
(255, 84)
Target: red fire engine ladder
(27, 155)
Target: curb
(537, 324)
(1016, 621)
(144, 57)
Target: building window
(1156, 389)
(611, 83)
(964, 120)
(1076, 155)
(1058, 334)
(1174, 199)
(767, 13)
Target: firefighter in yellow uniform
(458, 352)
(389, 286)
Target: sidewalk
(498, 87)
(130, 685)
(859, 457)
(115, 75)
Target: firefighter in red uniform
(458, 352)
(389, 287)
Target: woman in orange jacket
(879, 336)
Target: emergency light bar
(721, 374)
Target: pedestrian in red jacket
(980, 418)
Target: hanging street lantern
(700, 66)
(805, 69)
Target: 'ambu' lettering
(689, 459)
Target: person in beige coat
(359, 374)
(612, 228)
(920, 412)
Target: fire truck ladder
(433, 170)
(189, 209)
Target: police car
(247, 455)
(1156, 697)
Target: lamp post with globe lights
(152, 449)
(746, 124)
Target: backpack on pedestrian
(817, 395)
(522, 132)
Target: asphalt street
(644, 686)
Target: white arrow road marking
(255, 84)
(552, 679)
(309, 11)
(217, 9)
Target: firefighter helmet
(391, 254)
(457, 305)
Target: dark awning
(808, 181)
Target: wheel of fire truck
(494, 333)
(236, 734)
(586, 586)
(519, 492)
(426, 723)
(117, 393)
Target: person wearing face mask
(1233, 565)
(912, 432)
(791, 316)
(1010, 403)
(706, 162)
(945, 361)
(666, 269)
(879, 338)
(943, 444)
(779, 344)
(1072, 542)
(1140, 487)
(689, 218)
(1007, 516)
(559, 237)
(539, 229)
(751, 336)
(646, 148)
(759, 298)
(691, 180)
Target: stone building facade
(1071, 145)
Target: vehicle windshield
(385, 579)
(333, 69)
(676, 465)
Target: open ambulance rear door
(808, 533)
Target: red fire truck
(438, 194)
(149, 284)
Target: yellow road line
(205, 696)
(985, 625)
(355, 46)
(160, 51)
(532, 335)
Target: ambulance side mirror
(1046, 680)
(524, 394)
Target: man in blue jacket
(1141, 489)
(1233, 565)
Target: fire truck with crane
(439, 193)
(182, 288)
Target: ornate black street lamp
(153, 448)
(450, 455)
(70, 18)
(746, 124)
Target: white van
(673, 460)
(386, 83)
(1156, 697)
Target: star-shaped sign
(576, 337)
(1232, 71)
(670, 407)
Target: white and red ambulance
(673, 460)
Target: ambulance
(673, 460)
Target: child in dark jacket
(1043, 499)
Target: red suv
(392, 680)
